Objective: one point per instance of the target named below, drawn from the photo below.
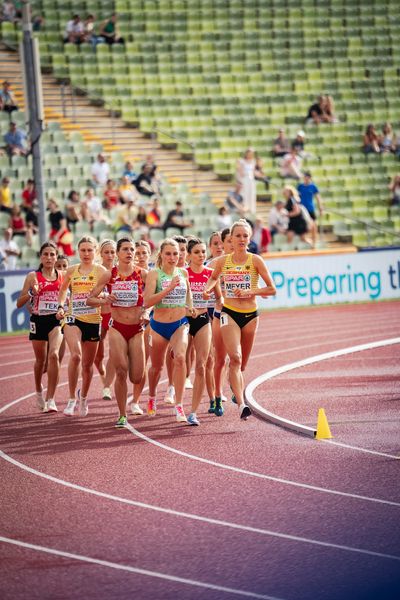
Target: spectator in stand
(100, 171)
(141, 219)
(259, 174)
(149, 162)
(245, 174)
(371, 140)
(5, 196)
(126, 216)
(89, 34)
(8, 12)
(7, 100)
(18, 224)
(154, 216)
(394, 188)
(328, 110)
(10, 249)
(291, 165)
(316, 112)
(387, 141)
(224, 218)
(297, 221)
(15, 140)
(109, 31)
(281, 145)
(92, 208)
(278, 219)
(308, 191)
(129, 171)
(111, 195)
(127, 191)
(175, 218)
(74, 31)
(146, 183)
(28, 195)
(298, 142)
(73, 209)
(59, 233)
(261, 236)
(234, 201)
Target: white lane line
(194, 517)
(359, 449)
(216, 464)
(137, 570)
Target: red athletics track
(225, 510)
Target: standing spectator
(73, 209)
(15, 140)
(175, 218)
(111, 195)
(316, 112)
(59, 232)
(281, 145)
(146, 183)
(234, 201)
(74, 31)
(127, 190)
(10, 249)
(371, 140)
(291, 165)
(129, 171)
(387, 141)
(7, 100)
(224, 218)
(109, 31)
(100, 171)
(308, 191)
(297, 221)
(278, 219)
(394, 188)
(5, 195)
(245, 174)
(261, 236)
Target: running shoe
(224, 398)
(40, 403)
(151, 407)
(170, 395)
(51, 406)
(69, 409)
(135, 409)
(180, 415)
(107, 394)
(188, 384)
(244, 412)
(219, 409)
(192, 419)
(83, 405)
(211, 410)
(122, 421)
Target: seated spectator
(291, 165)
(371, 141)
(328, 110)
(261, 236)
(7, 100)
(259, 174)
(175, 218)
(111, 195)
(15, 140)
(297, 221)
(127, 191)
(125, 216)
(149, 162)
(281, 145)
(92, 208)
(73, 210)
(109, 31)
(18, 224)
(74, 31)
(10, 249)
(100, 171)
(298, 142)
(59, 232)
(234, 201)
(5, 195)
(89, 35)
(28, 195)
(394, 188)
(141, 219)
(308, 191)
(129, 171)
(278, 219)
(8, 12)
(146, 183)
(154, 215)
(224, 218)
(316, 112)
(387, 140)
(37, 22)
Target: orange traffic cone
(323, 431)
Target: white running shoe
(170, 395)
(83, 405)
(135, 409)
(107, 394)
(180, 415)
(188, 384)
(40, 403)
(51, 406)
(224, 398)
(244, 412)
(69, 409)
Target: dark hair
(212, 236)
(225, 232)
(124, 240)
(193, 242)
(48, 244)
(180, 239)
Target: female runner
(167, 289)
(240, 272)
(81, 323)
(199, 326)
(125, 284)
(41, 288)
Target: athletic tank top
(127, 289)
(46, 301)
(81, 286)
(197, 283)
(236, 276)
(175, 298)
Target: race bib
(175, 297)
(32, 327)
(233, 281)
(126, 292)
(79, 306)
(48, 303)
(223, 320)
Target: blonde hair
(240, 223)
(144, 244)
(105, 243)
(293, 192)
(166, 242)
(88, 239)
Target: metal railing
(67, 98)
(180, 140)
(366, 224)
